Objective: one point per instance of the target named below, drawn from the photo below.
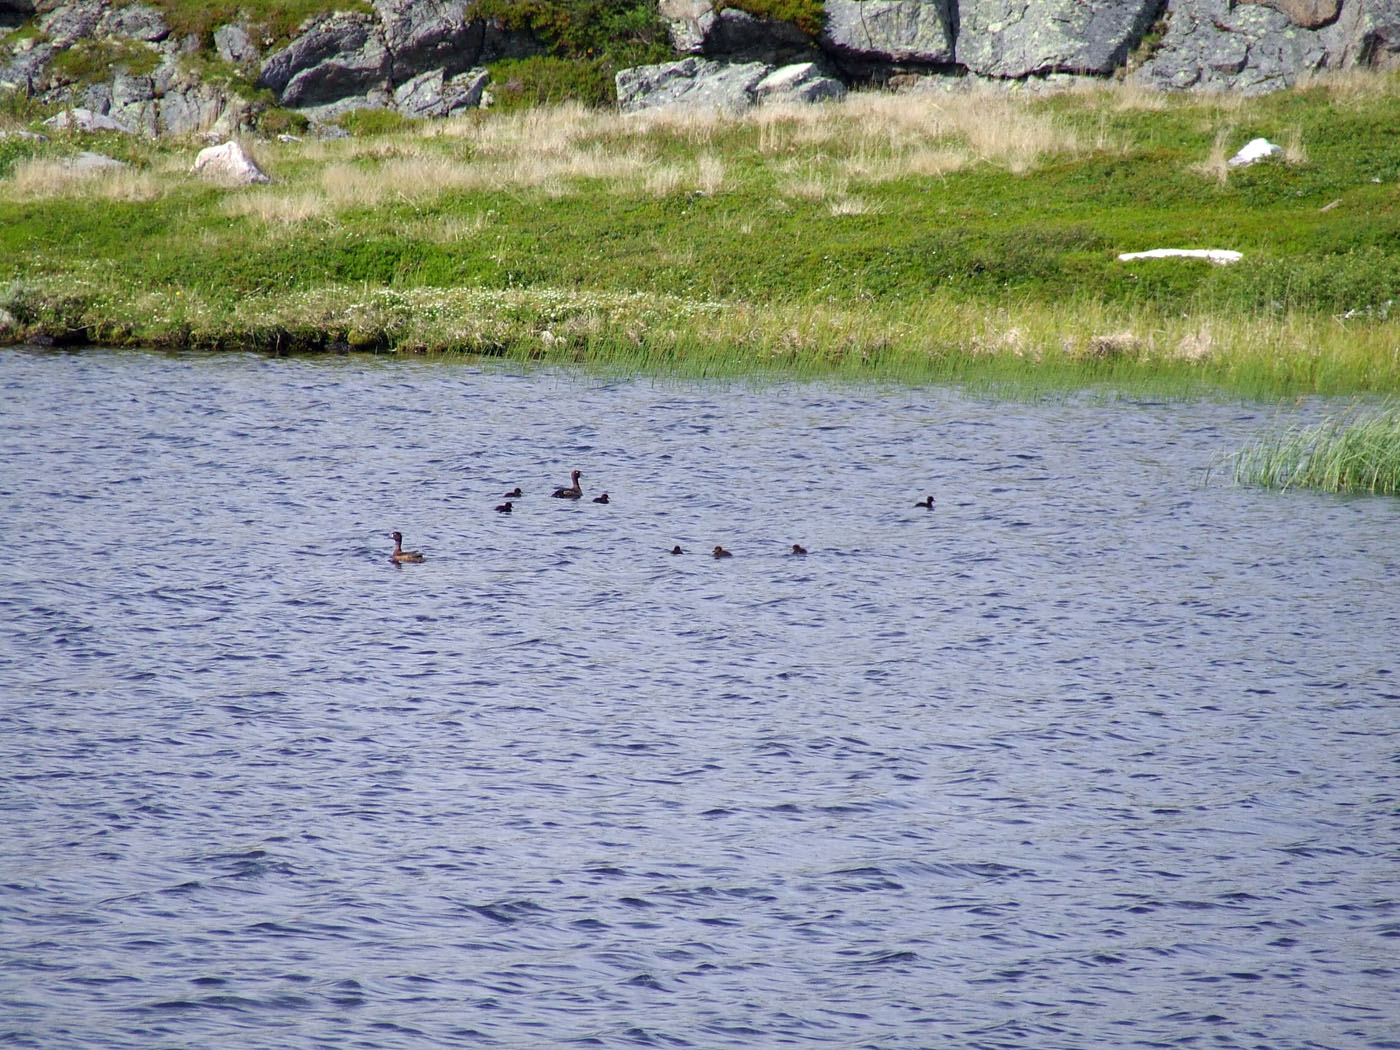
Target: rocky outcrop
(799, 82)
(1018, 38)
(863, 35)
(698, 29)
(433, 94)
(336, 57)
(695, 83)
(424, 57)
(427, 58)
(730, 87)
(409, 54)
(1258, 47)
(1245, 45)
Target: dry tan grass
(852, 206)
(709, 173)
(815, 152)
(43, 178)
(277, 207)
(664, 180)
(1355, 85)
(1131, 96)
(1216, 164)
(1294, 152)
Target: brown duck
(573, 491)
(400, 555)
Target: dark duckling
(514, 493)
(720, 552)
(927, 504)
(400, 555)
(602, 499)
(504, 508)
(797, 548)
(573, 491)
(677, 549)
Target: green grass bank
(912, 237)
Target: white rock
(228, 163)
(1219, 256)
(1254, 150)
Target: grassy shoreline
(918, 238)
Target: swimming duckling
(400, 555)
(514, 493)
(927, 504)
(797, 548)
(677, 549)
(601, 499)
(573, 491)
(720, 552)
(504, 508)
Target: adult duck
(400, 555)
(573, 491)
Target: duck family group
(574, 490)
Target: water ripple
(1093, 754)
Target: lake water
(1100, 752)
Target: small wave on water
(1090, 754)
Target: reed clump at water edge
(904, 237)
(1356, 451)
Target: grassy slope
(838, 237)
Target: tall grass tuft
(1343, 453)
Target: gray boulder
(697, 28)
(235, 46)
(337, 57)
(25, 69)
(67, 23)
(1364, 34)
(86, 161)
(862, 34)
(80, 119)
(137, 22)
(1216, 45)
(687, 22)
(433, 35)
(1017, 38)
(189, 108)
(691, 83)
(799, 82)
(431, 94)
(134, 103)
